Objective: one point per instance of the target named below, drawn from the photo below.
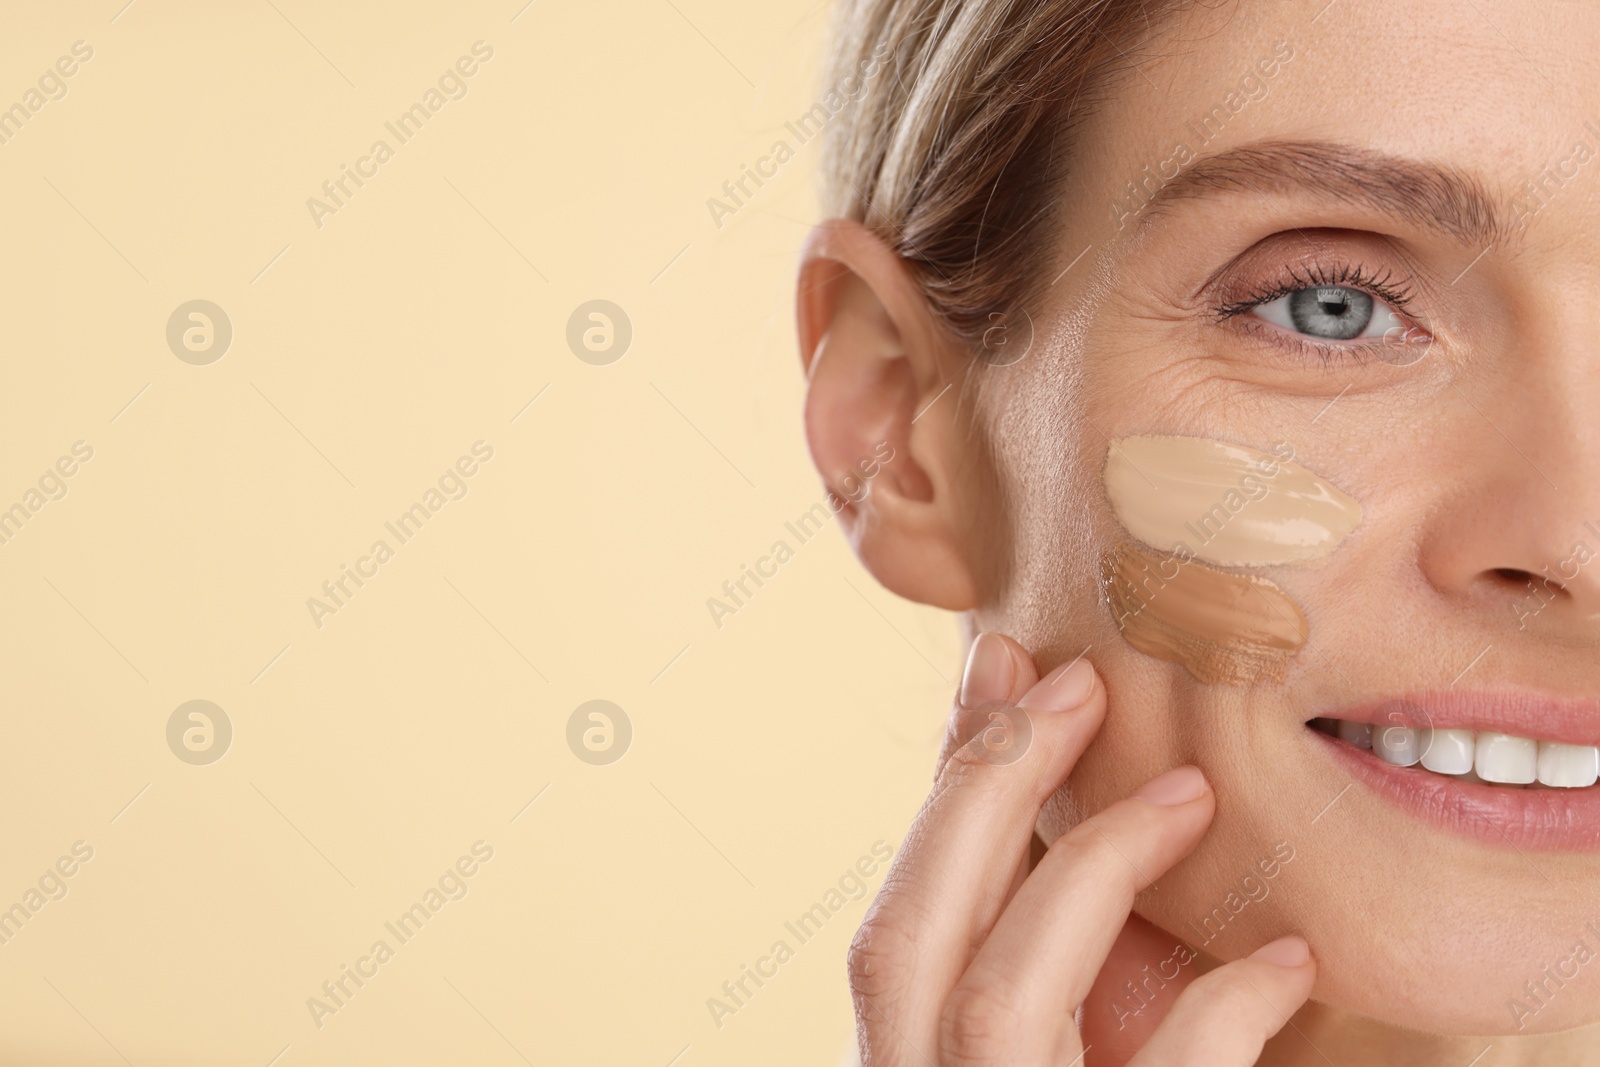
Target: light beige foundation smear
(1225, 503)
(1227, 629)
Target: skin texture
(1475, 459)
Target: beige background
(368, 355)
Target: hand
(968, 957)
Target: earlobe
(880, 414)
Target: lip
(1542, 820)
(1506, 711)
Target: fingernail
(1063, 689)
(988, 673)
(1288, 951)
(1177, 786)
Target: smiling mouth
(1482, 756)
(1509, 767)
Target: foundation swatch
(1227, 629)
(1225, 503)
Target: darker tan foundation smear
(1227, 629)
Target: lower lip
(1548, 820)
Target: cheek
(1041, 506)
(1044, 513)
(1190, 502)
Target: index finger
(953, 874)
(1000, 672)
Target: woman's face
(1442, 159)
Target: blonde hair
(955, 153)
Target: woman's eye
(1330, 313)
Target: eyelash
(1397, 294)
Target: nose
(1519, 532)
(1516, 564)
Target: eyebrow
(1429, 195)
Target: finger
(1001, 677)
(954, 871)
(998, 671)
(1047, 947)
(1225, 1017)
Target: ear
(881, 427)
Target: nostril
(1512, 576)
(1518, 579)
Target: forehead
(1498, 91)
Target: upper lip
(1507, 711)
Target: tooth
(1397, 745)
(1568, 766)
(1358, 734)
(1506, 759)
(1448, 751)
